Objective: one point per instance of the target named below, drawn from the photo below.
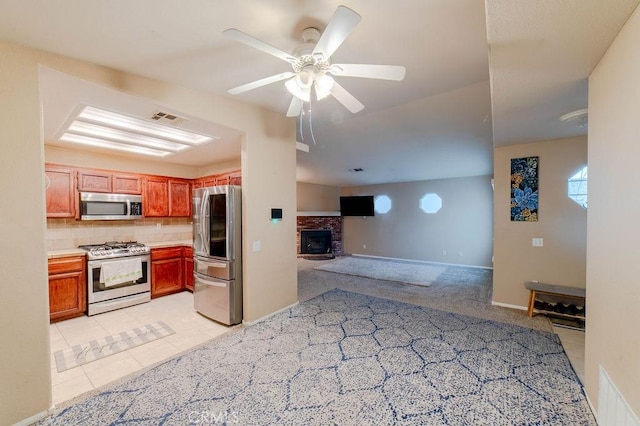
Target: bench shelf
(556, 291)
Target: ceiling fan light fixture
(323, 86)
(302, 93)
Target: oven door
(99, 292)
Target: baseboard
(35, 418)
(269, 315)
(507, 305)
(418, 261)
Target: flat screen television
(357, 205)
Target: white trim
(328, 213)
(507, 305)
(593, 410)
(419, 261)
(269, 315)
(36, 417)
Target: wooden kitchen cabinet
(187, 253)
(95, 181)
(61, 191)
(164, 197)
(179, 198)
(167, 271)
(67, 288)
(156, 197)
(105, 181)
(127, 184)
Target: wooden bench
(536, 288)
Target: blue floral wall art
(524, 189)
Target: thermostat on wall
(276, 214)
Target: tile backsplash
(70, 233)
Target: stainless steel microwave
(101, 206)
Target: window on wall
(577, 187)
(382, 204)
(430, 203)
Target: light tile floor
(175, 310)
(573, 344)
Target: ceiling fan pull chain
(313, 139)
(301, 122)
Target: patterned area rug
(100, 348)
(382, 269)
(345, 358)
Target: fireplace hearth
(315, 242)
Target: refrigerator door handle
(205, 281)
(221, 265)
(204, 222)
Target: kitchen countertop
(161, 244)
(52, 254)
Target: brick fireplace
(318, 222)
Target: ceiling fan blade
(251, 41)
(382, 72)
(346, 98)
(260, 83)
(343, 21)
(295, 107)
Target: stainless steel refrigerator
(217, 253)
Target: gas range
(113, 249)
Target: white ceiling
(474, 78)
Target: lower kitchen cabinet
(188, 268)
(167, 271)
(67, 288)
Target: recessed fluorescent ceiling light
(105, 129)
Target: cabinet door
(166, 276)
(235, 178)
(156, 197)
(127, 184)
(60, 193)
(67, 288)
(188, 268)
(179, 198)
(94, 181)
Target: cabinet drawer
(66, 264)
(166, 253)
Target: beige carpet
(382, 269)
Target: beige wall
(613, 267)
(24, 304)
(317, 198)
(562, 223)
(462, 226)
(268, 155)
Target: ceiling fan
(312, 67)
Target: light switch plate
(537, 242)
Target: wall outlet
(158, 225)
(257, 246)
(364, 246)
(444, 252)
(460, 253)
(537, 242)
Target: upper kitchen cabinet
(165, 197)
(61, 191)
(179, 198)
(105, 181)
(230, 178)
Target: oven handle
(205, 281)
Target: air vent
(356, 170)
(166, 117)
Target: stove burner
(114, 249)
